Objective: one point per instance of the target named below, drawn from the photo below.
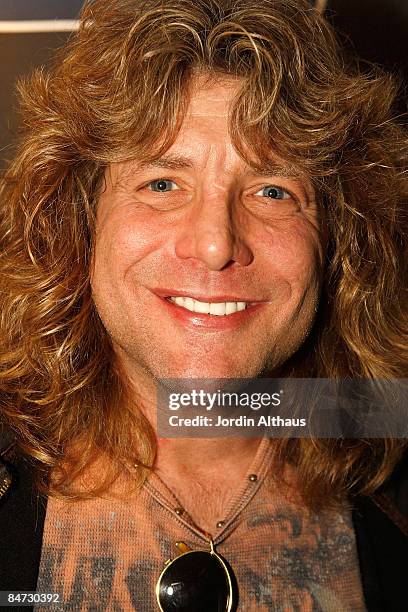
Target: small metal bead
(220, 524)
(253, 477)
(178, 511)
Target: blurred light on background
(38, 25)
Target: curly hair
(119, 91)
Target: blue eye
(274, 193)
(162, 185)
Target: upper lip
(222, 297)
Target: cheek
(122, 241)
(292, 254)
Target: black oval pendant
(196, 581)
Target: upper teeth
(213, 308)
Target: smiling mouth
(218, 309)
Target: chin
(211, 370)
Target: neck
(205, 459)
(193, 458)
(203, 474)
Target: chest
(108, 555)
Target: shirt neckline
(258, 468)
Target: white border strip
(39, 25)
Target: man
(203, 191)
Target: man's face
(200, 224)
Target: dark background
(377, 30)
(20, 53)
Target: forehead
(212, 96)
(205, 133)
(206, 126)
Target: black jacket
(380, 523)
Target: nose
(214, 234)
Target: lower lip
(211, 322)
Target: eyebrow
(179, 162)
(176, 162)
(275, 169)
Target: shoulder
(7, 443)
(22, 514)
(381, 529)
(7, 439)
(392, 497)
(16, 479)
